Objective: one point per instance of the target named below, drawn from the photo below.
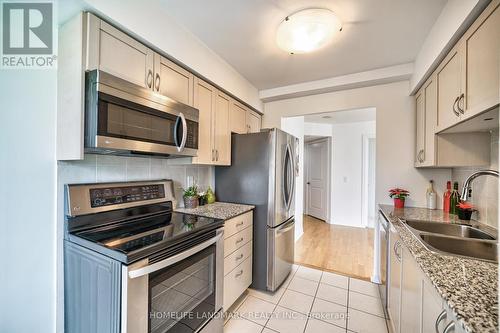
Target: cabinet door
(114, 52)
(222, 132)
(253, 122)
(449, 89)
(173, 81)
(430, 100)
(482, 44)
(238, 118)
(420, 140)
(204, 100)
(432, 307)
(410, 294)
(394, 301)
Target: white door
(317, 179)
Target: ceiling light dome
(307, 30)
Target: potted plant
(190, 196)
(465, 210)
(399, 195)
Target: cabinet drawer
(237, 257)
(236, 282)
(237, 224)
(236, 241)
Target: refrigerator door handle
(287, 180)
(286, 226)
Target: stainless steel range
(133, 265)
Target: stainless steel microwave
(122, 118)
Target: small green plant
(191, 191)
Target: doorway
(317, 177)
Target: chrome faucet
(467, 185)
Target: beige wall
(395, 134)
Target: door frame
(328, 140)
(364, 179)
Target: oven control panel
(100, 197)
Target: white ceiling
(376, 34)
(340, 117)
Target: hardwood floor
(340, 249)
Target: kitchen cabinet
(110, 50)
(214, 144)
(244, 120)
(253, 121)
(222, 131)
(172, 80)
(449, 86)
(482, 67)
(411, 286)
(238, 118)
(467, 79)
(395, 273)
(433, 312)
(420, 141)
(237, 257)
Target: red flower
(399, 193)
(465, 206)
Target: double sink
(455, 239)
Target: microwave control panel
(100, 197)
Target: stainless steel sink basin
(475, 248)
(457, 230)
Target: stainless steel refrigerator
(262, 173)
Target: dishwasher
(384, 262)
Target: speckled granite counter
(218, 210)
(469, 286)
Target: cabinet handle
(149, 80)
(396, 253)
(240, 273)
(157, 82)
(239, 240)
(239, 257)
(217, 154)
(439, 319)
(240, 224)
(461, 100)
(456, 103)
(449, 328)
(213, 155)
(419, 156)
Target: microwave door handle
(184, 132)
(173, 259)
(182, 144)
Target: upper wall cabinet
(244, 120)
(112, 51)
(482, 66)
(214, 133)
(426, 103)
(173, 81)
(468, 78)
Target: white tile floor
(311, 301)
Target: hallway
(335, 248)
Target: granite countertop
(217, 210)
(469, 286)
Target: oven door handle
(173, 259)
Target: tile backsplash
(484, 189)
(105, 168)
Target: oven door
(181, 293)
(126, 118)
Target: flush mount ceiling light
(307, 30)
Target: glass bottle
(454, 199)
(431, 196)
(446, 197)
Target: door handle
(461, 99)
(308, 183)
(439, 319)
(149, 78)
(157, 82)
(456, 103)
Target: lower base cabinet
(237, 257)
(414, 304)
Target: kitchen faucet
(470, 179)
